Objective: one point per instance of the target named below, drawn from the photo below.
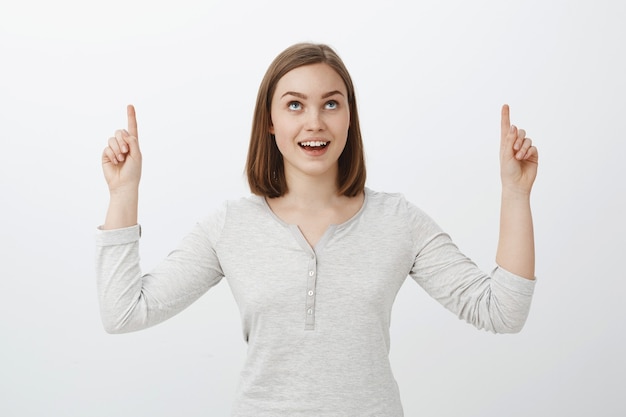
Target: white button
(309, 311)
(310, 293)
(311, 273)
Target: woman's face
(310, 120)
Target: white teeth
(313, 143)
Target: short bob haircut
(265, 167)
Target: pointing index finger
(505, 122)
(132, 121)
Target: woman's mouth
(313, 144)
(314, 147)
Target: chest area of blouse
(275, 278)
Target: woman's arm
(129, 299)
(121, 163)
(518, 170)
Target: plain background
(430, 76)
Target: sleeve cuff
(514, 282)
(118, 236)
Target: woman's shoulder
(390, 205)
(386, 200)
(231, 212)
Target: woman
(314, 259)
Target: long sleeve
(131, 300)
(498, 302)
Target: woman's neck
(311, 192)
(313, 204)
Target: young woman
(314, 258)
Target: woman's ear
(272, 129)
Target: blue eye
(294, 105)
(332, 104)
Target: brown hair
(264, 167)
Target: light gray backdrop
(431, 77)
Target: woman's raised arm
(518, 170)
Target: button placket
(310, 295)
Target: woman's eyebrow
(332, 93)
(304, 97)
(293, 93)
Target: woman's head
(265, 167)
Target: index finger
(505, 122)
(132, 121)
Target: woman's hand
(121, 163)
(518, 157)
(121, 159)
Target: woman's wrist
(122, 212)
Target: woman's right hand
(121, 159)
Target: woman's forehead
(313, 79)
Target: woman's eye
(294, 105)
(331, 105)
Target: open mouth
(314, 144)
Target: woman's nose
(314, 121)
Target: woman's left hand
(518, 157)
